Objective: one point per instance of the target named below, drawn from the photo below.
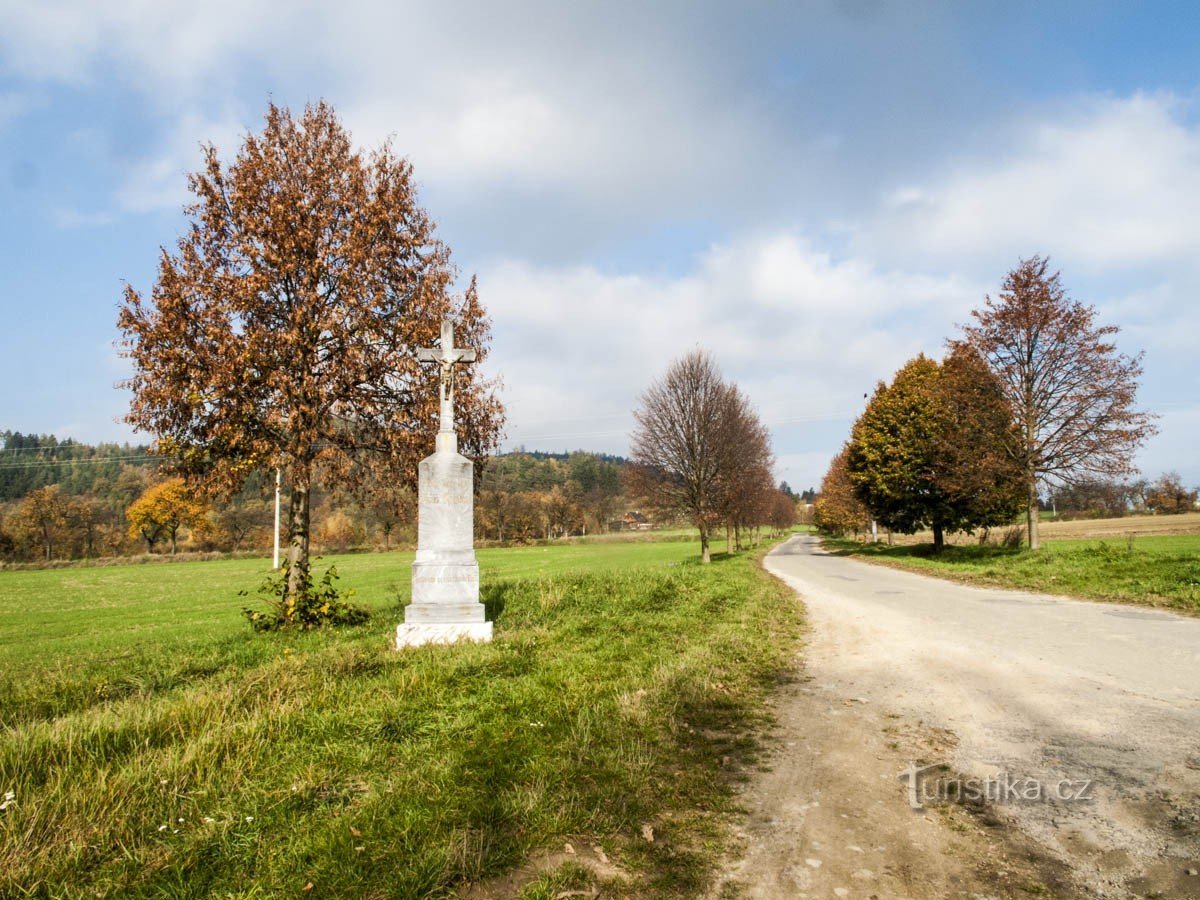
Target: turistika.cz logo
(936, 785)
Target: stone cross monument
(445, 604)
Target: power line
(90, 460)
(58, 448)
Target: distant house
(631, 521)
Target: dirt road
(1031, 698)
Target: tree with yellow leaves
(162, 510)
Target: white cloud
(804, 334)
(74, 218)
(1108, 184)
(164, 46)
(159, 180)
(611, 118)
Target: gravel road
(1021, 687)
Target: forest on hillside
(63, 499)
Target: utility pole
(278, 478)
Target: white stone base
(416, 634)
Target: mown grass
(157, 748)
(1152, 570)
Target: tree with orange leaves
(1071, 392)
(282, 331)
(837, 509)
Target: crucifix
(445, 605)
(447, 355)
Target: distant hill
(31, 461)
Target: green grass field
(157, 747)
(1157, 570)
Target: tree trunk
(298, 520)
(174, 534)
(47, 541)
(705, 556)
(728, 539)
(939, 537)
(1031, 516)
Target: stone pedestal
(445, 604)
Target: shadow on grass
(951, 554)
(493, 597)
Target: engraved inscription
(447, 498)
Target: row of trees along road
(282, 331)
(1034, 393)
(702, 452)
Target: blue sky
(815, 191)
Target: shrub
(309, 608)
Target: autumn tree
(1168, 495)
(679, 443)
(235, 521)
(928, 450)
(87, 520)
(563, 510)
(599, 483)
(164, 509)
(837, 509)
(388, 506)
(523, 519)
(45, 512)
(1070, 391)
(891, 448)
(781, 515)
(1095, 498)
(970, 459)
(8, 544)
(282, 331)
(491, 513)
(746, 486)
